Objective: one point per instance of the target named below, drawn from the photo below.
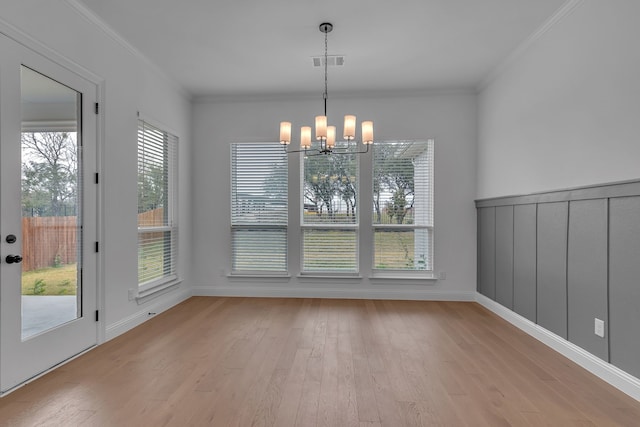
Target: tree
(276, 189)
(152, 190)
(318, 189)
(275, 184)
(397, 206)
(393, 180)
(344, 171)
(49, 172)
(327, 179)
(382, 153)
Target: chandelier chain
(326, 84)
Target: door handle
(13, 258)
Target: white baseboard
(334, 293)
(604, 370)
(136, 319)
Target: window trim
(153, 286)
(356, 226)
(410, 274)
(365, 255)
(256, 226)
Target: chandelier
(326, 135)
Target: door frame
(60, 60)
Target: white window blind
(157, 200)
(403, 205)
(330, 213)
(259, 207)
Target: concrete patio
(40, 313)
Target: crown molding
(37, 46)
(565, 10)
(302, 96)
(94, 19)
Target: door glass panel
(50, 199)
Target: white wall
(130, 85)
(567, 112)
(449, 118)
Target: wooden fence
(50, 241)
(153, 218)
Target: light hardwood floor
(307, 362)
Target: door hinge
(97, 178)
(97, 108)
(97, 247)
(97, 317)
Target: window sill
(391, 275)
(340, 276)
(155, 291)
(263, 276)
(398, 275)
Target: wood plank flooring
(312, 362)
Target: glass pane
(157, 183)
(330, 250)
(255, 249)
(330, 189)
(402, 249)
(403, 183)
(153, 173)
(51, 237)
(259, 189)
(156, 255)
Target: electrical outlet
(599, 327)
(132, 294)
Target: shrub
(39, 287)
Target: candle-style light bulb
(367, 132)
(285, 133)
(349, 127)
(305, 137)
(321, 127)
(331, 137)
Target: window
(398, 182)
(259, 207)
(403, 205)
(157, 200)
(330, 213)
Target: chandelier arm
(335, 151)
(293, 151)
(308, 151)
(324, 152)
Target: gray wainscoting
(552, 267)
(525, 260)
(504, 256)
(487, 252)
(624, 284)
(565, 258)
(587, 274)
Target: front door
(47, 214)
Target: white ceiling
(259, 47)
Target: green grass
(50, 281)
(329, 249)
(335, 249)
(394, 250)
(151, 260)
